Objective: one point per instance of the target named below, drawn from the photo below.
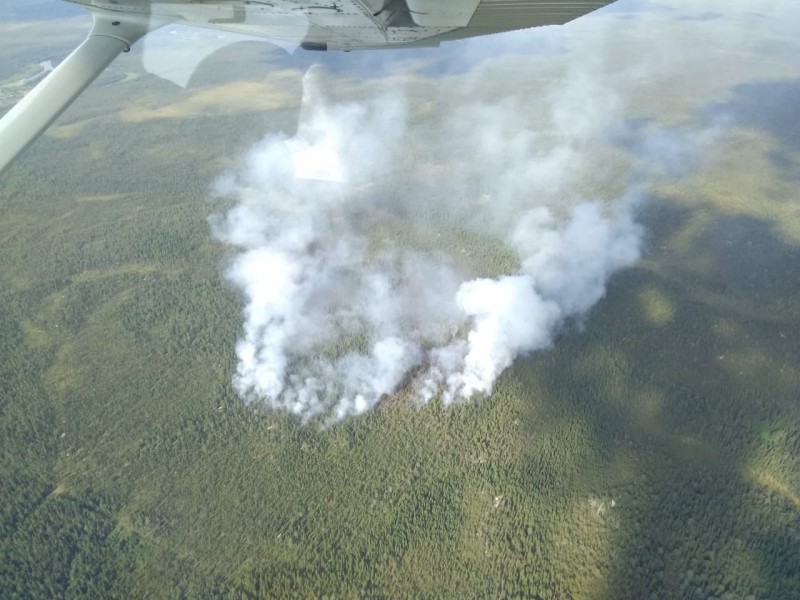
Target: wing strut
(111, 34)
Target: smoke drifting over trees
(516, 198)
(335, 318)
(653, 451)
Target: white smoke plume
(421, 239)
(565, 267)
(344, 305)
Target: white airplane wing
(311, 24)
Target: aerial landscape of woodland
(511, 318)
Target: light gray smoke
(336, 318)
(422, 246)
(565, 266)
(421, 239)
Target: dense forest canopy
(652, 452)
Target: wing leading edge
(319, 25)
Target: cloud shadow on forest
(773, 107)
(670, 399)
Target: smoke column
(383, 247)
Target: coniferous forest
(652, 452)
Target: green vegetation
(653, 453)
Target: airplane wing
(312, 24)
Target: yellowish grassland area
(772, 484)
(231, 98)
(35, 336)
(136, 269)
(70, 130)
